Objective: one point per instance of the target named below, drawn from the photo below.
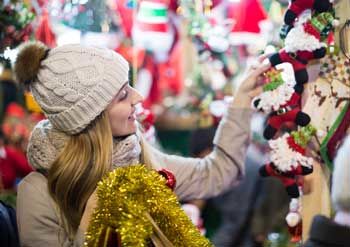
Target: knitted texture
(46, 143)
(75, 84)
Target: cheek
(118, 117)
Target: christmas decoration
(294, 220)
(296, 7)
(281, 99)
(247, 15)
(18, 123)
(131, 202)
(15, 24)
(303, 43)
(146, 118)
(44, 32)
(288, 160)
(126, 10)
(152, 29)
(330, 95)
(170, 178)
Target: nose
(136, 97)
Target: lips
(132, 117)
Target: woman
(91, 129)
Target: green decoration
(303, 136)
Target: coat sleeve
(222, 168)
(37, 219)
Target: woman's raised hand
(251, 85)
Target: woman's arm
(222, 168)
(202, 178)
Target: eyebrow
(123, 87)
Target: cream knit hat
(71, 83)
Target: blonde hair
(341, 178)
(74, 175)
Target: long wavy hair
(74, 175)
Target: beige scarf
(46, 142)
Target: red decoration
(310, 29)
(298, 6)
(126, 15)
(289, 179)
(15, 110)
(296, 232)
(44, 32)
(294, 146)
(298, 60)
(146, 118)
(171, 72)
(290, 112)
(132, 53)
(247, 15)
(170, 177)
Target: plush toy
(281, 99)
(289, 112)
(288, 160)
(296, 7)
(304, 42)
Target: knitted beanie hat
(71, 83)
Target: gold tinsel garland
(125, 198)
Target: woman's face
(121, 111)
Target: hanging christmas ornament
(294, 220)
(296, 7)
(126, 10)
(288, 159)
(152, 29)
(305, 42)
(281, 98)
(247, 15)
(170, 178)
(44, 32)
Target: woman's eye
(124, 95)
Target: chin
(131, 129)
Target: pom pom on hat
(28, 61)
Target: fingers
(255, 92)
(261, 69)
(261, 58)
